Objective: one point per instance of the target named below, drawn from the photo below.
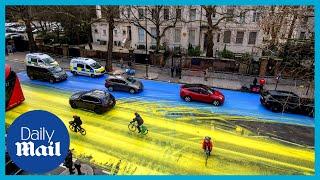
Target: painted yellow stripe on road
(173, 144)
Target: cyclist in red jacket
(207, 144)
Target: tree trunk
(293, 22)
(110, 44)
(32, 44)
(90, 38)
(209, 33)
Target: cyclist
(77, 122)
(207, 145)
(139, 121)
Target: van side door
(80, 69)
(89, 70)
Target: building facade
(237, 29)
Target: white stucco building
(239, 34)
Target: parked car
(285, 101)
(123, 83)
(40, 59)
(86, 66)
(93, 100)
(202, 93)
(51, 74)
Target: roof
(281, 93)
(81, 59)
(97, 93)
(40, 55)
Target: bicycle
(133, 126)
(79, 129)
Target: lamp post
(147, 63)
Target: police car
(86, 66)
(40, 59)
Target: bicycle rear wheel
(83, 131)
(72, 128)
(132, 127)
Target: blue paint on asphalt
(236, 103)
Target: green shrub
(194, 51)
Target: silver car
(123, 83)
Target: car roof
(84, 60)
(117, 77)
(40, 55)
(281, 93)
(97, 93)
(195, 85)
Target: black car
(123, 83)
(285, 101)
(51, 74)
(93, 100)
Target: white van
(40, 59)
(86, 66)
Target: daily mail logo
(37, 141)
(27, 147)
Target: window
(192, 37)
(242, 17)
(141, 13)
(115, 32)
(304, 21)
(239, 38)
(302, 35)
(154, 33)
(256, 16)
(96, 31)
(229, 14)
(104, 32)
(252, 38)
(166, 14)
(141, 35)
(177, 36)
(88, 67)
(178, 14)
(192, 14)
(227, 37)
(34, 60)
(128, 13)
(153, 14)
(218, 37)
(80, 66)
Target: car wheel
(73, 105)
(275, 109)
(92, 75)
(74, 73)
(31, 77)
(187, 98)
(98, 111)
(110, 88)
(51, 81)
(132, 91)
(216, 103)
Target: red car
(203, 93)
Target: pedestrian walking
(77, 165)
(69, 163)
(172, 71)
(255, 81)
(206, 72)
(121, 63)
(180, 70)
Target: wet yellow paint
(173, 145)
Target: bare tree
(215, 16)
(162, 18)
(27, 14)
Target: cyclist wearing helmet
(139, 121)
(207, 144)
(77, 122)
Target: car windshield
(95, 65)
(131, 80)
(56, 70)
(48, 60)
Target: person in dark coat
(69, 163)
(172, 71)
(77, 165)
(139, 121)
(255, 81)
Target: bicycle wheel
(71, 127)
(83, 131)
(132, 127)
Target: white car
(86, 67)
(40, 59)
